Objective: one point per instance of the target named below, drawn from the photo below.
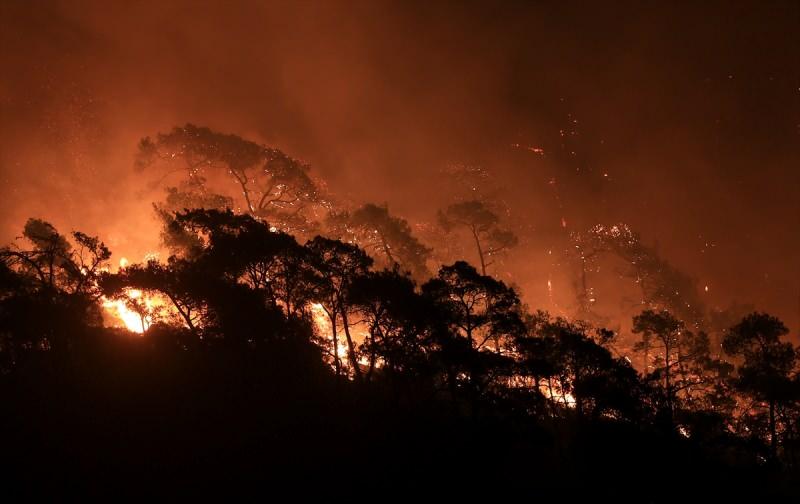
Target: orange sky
(683, 120)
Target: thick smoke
(680, 121)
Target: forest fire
(556, 393)
(134, 310)
(517, 248)
(324, 328)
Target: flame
(557, 394)
(131, 319)
(322, 324)
(135, 310)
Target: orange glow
(322, 326)
(557, 395)
(136, 311)
(135, 320)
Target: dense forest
(293, 341)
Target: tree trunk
(336, 363)
(186, 315)
(351, 349)
(551, 398)
(373, 352)
(371, 355)
(480, 251)
(387, 251)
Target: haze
(682, 121)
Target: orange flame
(135, 311)
(137, 321)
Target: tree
(273, 185)
(720, 319)
(51, 293)
(478, 307)
(767, 365)
(233, 283)
(683, 362)
(248, 250)
(53, 263)
(473, 310)
(663, 286)
(191, 194)
(398, 319)
(571, 361)
(375, 229)
(660, 331)
(484, 227)
(587, 248)
(179, 281)
(334, 265)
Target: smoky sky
(679, 118)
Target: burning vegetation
(357, 296)
(535, 248)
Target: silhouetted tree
(660, 331)
(335, 265)
(571, 362)
(483, 226)
(479, 308)
(719, 320)
(191, 194)
(273, 185)
(458, 354)
(681, 360)
(663, 287)
(398, 321)
(377, 231)
(179, 281)
(247, 250)
(767, 366)
(587, 248)
(53, 263)
(53, 293)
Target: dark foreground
(127, 418)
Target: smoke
(679, 120)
